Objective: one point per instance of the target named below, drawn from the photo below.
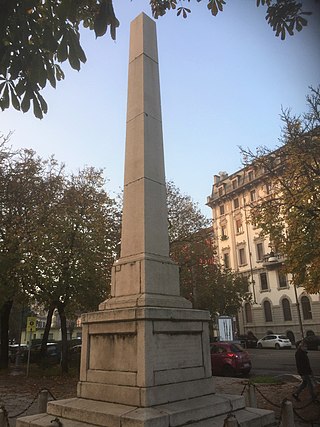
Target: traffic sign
(31, 324)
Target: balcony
(272, 261)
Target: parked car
(312, 341)
(75, 354)
(53, 353)
(15, 349)
(229, 359)
(248, 340)
(274, 341)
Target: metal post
(251, 396)
(230, 421)
(287, 416)
(42, 401)
(3, 418)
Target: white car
(274, 341)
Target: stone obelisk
(144, 275)
(145, 357)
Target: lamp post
(298, 309)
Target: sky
(223, 82)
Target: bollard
(42, 401)
(3, 418)
(251, 396)
(230, 421)
(287, 416)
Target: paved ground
(18, 395)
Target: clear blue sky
(223, 82)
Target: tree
(203, 281)
(290, 215)
(36, 36)
(78, 244)
(20, 183)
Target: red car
(229, 359)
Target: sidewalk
(19, 394)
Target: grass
(265, 379)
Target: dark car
(312, 341)
(15, 350)
(229, 359)
(52, 356)
(248, 340)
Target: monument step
(175, 414)
(246, 417)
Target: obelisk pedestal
(145, 357)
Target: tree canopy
(37, 36)
(207, 284)
(290, 215)
(59, 236)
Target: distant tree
(202, 279)
(290, 215)
(36, 36)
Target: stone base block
(206, 411)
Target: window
(234, 184)
(250, 175)
(260, 251)
(224, 232)
(221, 207)
(282, 279)
(226, 260)
(220, 191)
(306, 308)
(263, 281)
(267, 311)
(253, 195)
(286, 309)
(242, 256)
(239, 228)
(248, 312)
(236, 203)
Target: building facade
(277, 305)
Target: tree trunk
(46, 331)
(64, 332)
(4, 334)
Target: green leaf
(62, 51)
(50, 74)
(74, 60)
(5, 100)
(20, 87)
(25, 104)
(74, 40)
(43, 104)
(36, 108)
(14, 99)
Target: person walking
(304, 370)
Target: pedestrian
(304, 370)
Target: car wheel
(228, 371)
(260, 345)
(277, 346)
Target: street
(278, 362)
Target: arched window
(267, 311)
(286, 309)
(248, 312)
(306, 308)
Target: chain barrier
(295, 409)
(28, 407)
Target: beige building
(276, 303)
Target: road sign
(31, 324)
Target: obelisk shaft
(144, 221)
(144, 275)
